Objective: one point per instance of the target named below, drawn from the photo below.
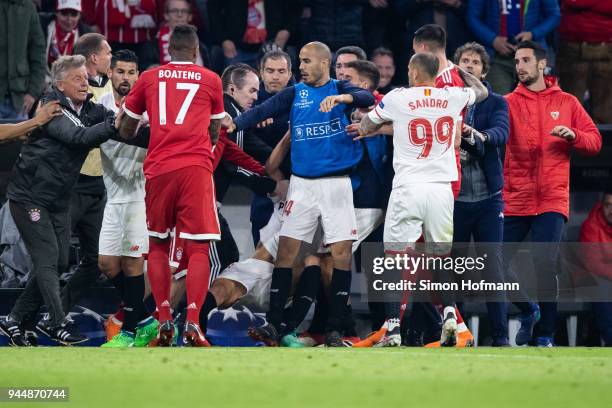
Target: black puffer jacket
(49, 163)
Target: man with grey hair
(39, 193)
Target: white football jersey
(424, 122)
(121, 165)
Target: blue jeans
(484, 221)
(8, 111)
(544, 228)
(603, 318)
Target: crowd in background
(576, 33)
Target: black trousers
(224, 252)
(86, 214)
(46, 236)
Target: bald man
(322, 156)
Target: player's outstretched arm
(274, 106)
(361, 98)
(475, 84)
(277, 156)
(44, 113)
(368, 128)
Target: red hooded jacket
(537, 164)
(597, 234)
(586, 20)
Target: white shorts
(256, 277)
(420, 209)
(368, 219)
(124, 230)
(268, 235)
(328, 201)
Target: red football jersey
(181, 98)
(450, 77)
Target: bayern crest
(34, 214)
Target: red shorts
(185, 199)
(177, 250)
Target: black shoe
(66, 333)
(266, 334)
(10, 328)
(413, 338)
(31, 336)
(334, 339)
(500, 343)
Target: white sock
(447, 310)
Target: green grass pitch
(264, 377)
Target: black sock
(393, 298)
(119, 283)
(305, 294)
(349, 322)
(149, 304)
(339, 296)
(319, 320)
(134, 291)
(209, 304)
(279, 292)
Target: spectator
(176, 12)
(126, 24)
(337, 23)
(383, 58)
(546, 124)
(448, 14)
(275, 71)
(22, 50)
(345, 55)
(63, 29)
(596, 232)
(479, 204)
(39, 192)
(500, 25)
(243, 28)
(379, 19)
(584, 59)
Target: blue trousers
(484, 221)
(544, 228)
(603, 319)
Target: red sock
(459, 317)
(158, 270)
(198, 275)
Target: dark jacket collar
(95, 84)
(56, 94)
(227, 101)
